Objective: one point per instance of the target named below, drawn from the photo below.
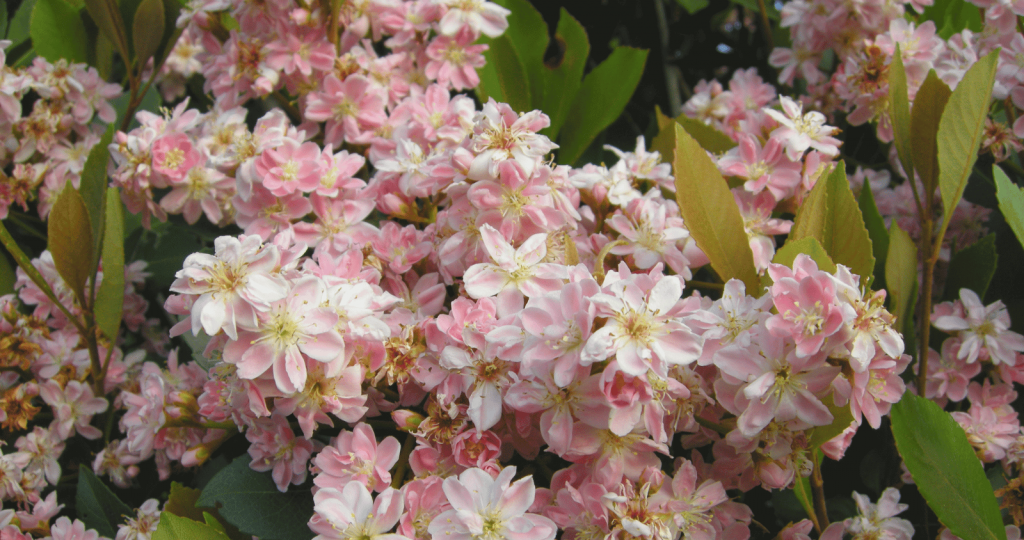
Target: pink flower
(476, 15)
(454, 60)
(174, 155)
(799, 131)
(232, 285)
(65, 529)
(351, 513)
(984, 330)
(502, 135)
(290, 167)
(643, 330)
(779, 383)
(762, 168)
(351, 108)
(806, 300)
(355, 455)
(515, 272)
(294, 326)
(275, 447)
(73, 408)
(879, 519)
(483, 506)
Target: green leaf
(165, 253)
(3, 18)
(173, 527)
(875, 225)
(952, 16)
(960, 129)
(1011, 202)
(57, 32)
(110, 297)
(901, 276)
(972, 268)
(19, 26)
(808, 246)
(150, 102)
(109, 22)
(97, 506)
(945, 468)
(147, 29)
(563, 74)
(528, 34)
(70, 239)
(182, 501)
(832, 216)
(754, 7)
(710, 139)
(601, 99)
(93, 188)
(251, 501)
(693, 6)
(899, 111)
(504, 76)
(929, 103)
(710, 213)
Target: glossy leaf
(960, 129)
(808, 246)
(901, 274)
(972, 268)
(875, 225)
(1011, 202)
(899, 111)
(562, 76)
(57, 31)
(504, 76)
(147, 29)
(17, 30)
(831, 215)
(602, 97)
(527, 33)
(110, 297)
(711, 214)
(70, 240)
(929, 103)
(174, 527)
(97, 506)
(251, 501)
(945, 468)
(93, 188)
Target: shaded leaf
(93, 188)
(602, 97)
(174, 527)
(842, 418)
(929, 103)
(693, 6)
(97, 506)
(251, 501)
(1011, 202)
(527, 33)
(972, 268)
(875, 225)
(947, 472)
(57, 32)
(17, 31)
(182, 502)
(832, 216)
(562, 79)
(753, 6)
(109, 23)
(901, 276)
(147, 29)
(504, 76)
(809, 246)
(711, 214)
(70, 240)
(960, 129)
(109, 306)
(3, 18)
(899, 111)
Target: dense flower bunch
(413, 300)
(45, 146)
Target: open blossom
(875, 520)
(351, 513)
(644, 331)
(479, 16)
(356, 455)
(290, 329)
(73, 408)
(984, 330)
(232, 285)
(491, 508)
(276, 448)
(516, 272)
(806, 300)
(800, 131)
